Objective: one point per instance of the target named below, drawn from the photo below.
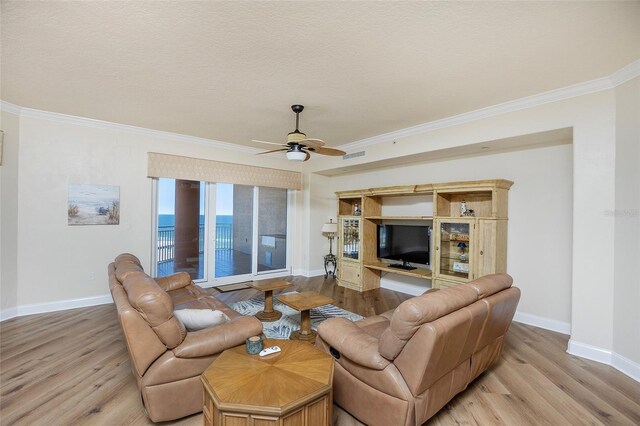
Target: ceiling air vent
(353, 155)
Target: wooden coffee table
(304, 302)
(292, 387)
(269, 314)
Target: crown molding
(625, 74)
(106, 125)
(619, 77)
(10, 108)
(605, 83)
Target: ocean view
(165, 220)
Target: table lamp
(330, 229)
(330, 261)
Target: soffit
(548, 138)
(229, 71)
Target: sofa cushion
(374, 326)
(124, 269)
(156, 307)
(490, 284)
(127, 258)
(197, 319)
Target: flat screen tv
(406, 243)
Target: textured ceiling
(229, 71)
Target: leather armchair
(166, 359)
(403, 366)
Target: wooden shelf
(399, 217)
(418, 273)
(485, 243)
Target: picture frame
(93, 205)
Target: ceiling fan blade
(330, 151)
(308, 156)
(275, 150)
(318, 141)
(270, 143)
(312, 143)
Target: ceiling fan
(298, 146)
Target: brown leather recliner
(403, 366)
(166, 359)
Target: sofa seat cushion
(183, 295)
(374, 326)
(187, 294)
(197, 319)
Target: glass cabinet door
(454, 249)
(350, 238)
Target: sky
(167, 197)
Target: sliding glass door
(220, 233)
(234, 230)
(181, 236)
(272, 229)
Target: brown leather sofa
(403, 366)
(166, 359)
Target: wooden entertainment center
(464, 246)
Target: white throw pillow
(197, 319)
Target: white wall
(626, 326)
(55, 262)
(592, 118)
(9, 215)
(540, 217)
(316, 205)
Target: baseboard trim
(541, 322)
(411, 289)
(583, 350)
(594, 353)
(307, 273)
(626, 366)
(8, 314)
(63, 305)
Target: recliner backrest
(126, 264)
(143, 343)
(411, 314)
(440, 347)
(445, 344)
(156, 307)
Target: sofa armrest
(174, 281)
(212, 340)
(352, 342)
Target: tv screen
(407, 243)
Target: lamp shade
(330, 228)
(296, 155)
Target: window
(220, 233)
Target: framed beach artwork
(93, 205)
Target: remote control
(269, 351)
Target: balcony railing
(166, 240)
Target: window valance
(178, 167)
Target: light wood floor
(72, 367)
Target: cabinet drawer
(349, 272)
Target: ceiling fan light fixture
(296, 137)
(296, 155)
